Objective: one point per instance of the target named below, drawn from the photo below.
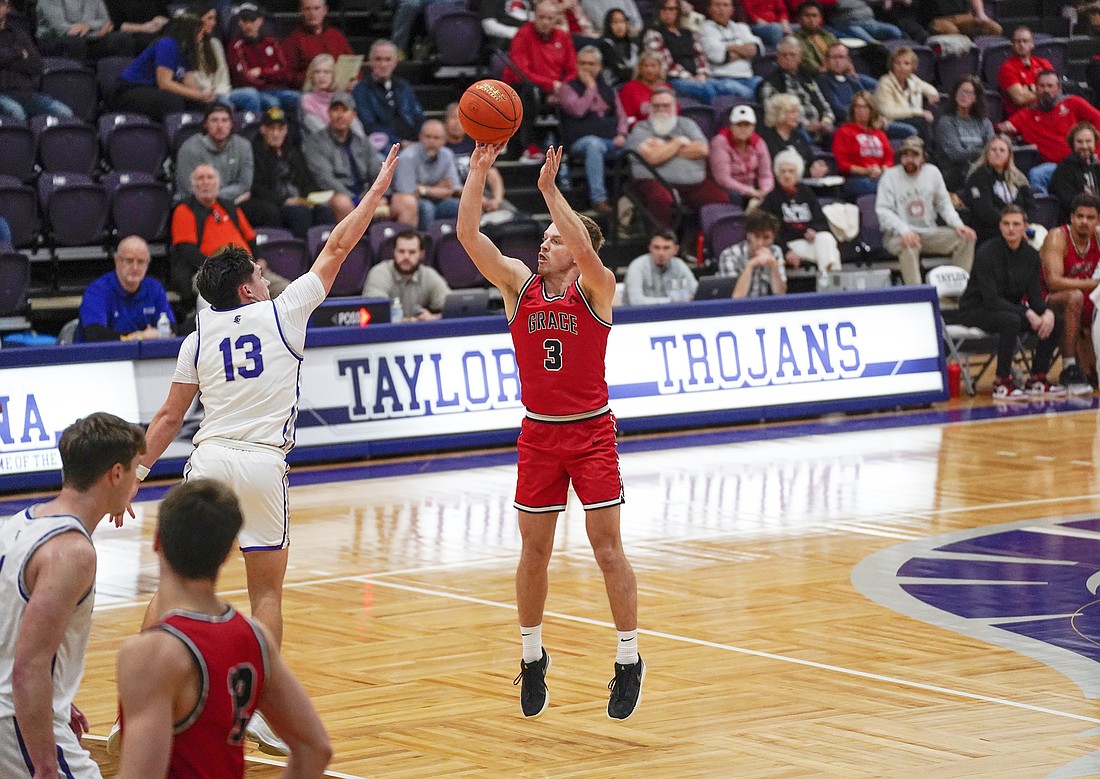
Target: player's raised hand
(385, 176)
(548, 176)
(484, 155)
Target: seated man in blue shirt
(124, 304)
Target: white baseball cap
(742, 113)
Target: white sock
(1068, 361)
(532, 643)
(626, 649)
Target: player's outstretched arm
(153, 669)
(598, 280)
(288, 710)
(168, 421)
(505, 273)
(351, 228)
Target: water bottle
(397, 311)
(164, 326)
(954, 379)
(823, 281)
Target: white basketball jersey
(247, 363)
(20, 536)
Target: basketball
(490, 111)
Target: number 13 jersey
(247, 363)
(560, 346)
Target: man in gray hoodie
(910, 197)
(217, 145)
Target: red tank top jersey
(1080, 266)
(560, 347)
(231, 655)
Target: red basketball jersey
(560, 347)
(1076, 265)
(231, 655)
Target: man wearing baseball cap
(282, 181)
(739, 160)
(343, 159)
(258, 63)
(910, 197)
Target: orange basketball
(490, 111)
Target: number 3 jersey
(230, 654)
(247, 363)
(560, 347)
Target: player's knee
(1075, 300)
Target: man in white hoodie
(910, 197)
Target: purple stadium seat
(65, 144)
(265, 234)
(353, 273)
(455, 265)
(519, 238)
(723, 104)
(15, 282)
(702, 115)
(139, 205)
(992, 57)
(72, 83)
(107, 71)
(75, 209)
(381, 237)
(1048, 212)
(315, 239)
(16, 149)
(950, 69)
(1056, 50)
(180, 127)
(456, 33)
(19, 208)
(132, 142)
(711, 217)
(246, 124)
(869, 227)
(286, 256)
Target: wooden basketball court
(780, 638)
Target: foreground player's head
(554, 257)
(230, 278)
(196, 526)
(93, 446)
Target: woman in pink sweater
(739, 160)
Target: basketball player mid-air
(560, 318)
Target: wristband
(142, 472)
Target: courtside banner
(38, 403)
(422, 387)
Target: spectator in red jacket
(314, 36)
(1016, 78)
(769, 20)
(258, 63)
(1047, 124)
(546, 59)
(649, 74)
(862, 150)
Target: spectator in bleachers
(501, 20)
(80, 30)
(601, 9)
(124, 304)
(963, 131)
(1079, 172)
(839, 84)
(282, 181)
(218, 146)
(856, 19)
(161, 80)
(756, 262)
(803, 229)
(426, 183)
(1017, 76)
(20, 70)
(312, 37)
(405, 14)
(791, 79)
(1004, 296)
(462, 146)
(910, 198)
(812, 36)
(677, 148)
(682, 49)
(636, 93)
(5, 235)
(863, 151)
(739, 160)
(620, 48)
(769, 19)
(341, 157)
(1047, 123)
(659, 276)
(317, 91)
(212, 68)
(593, 124)
(900, 95)
(258, 63)
(783, 128)
(577, 23)
(387, 103)
(143, 19)
(421, 290)
(201, 224)
(995, 182)
(730, 47)
(961, 17)
(546, 59)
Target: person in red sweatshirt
(314, 36)
(1047, 123)
(259, 63)
(863, 151)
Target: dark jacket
(796, 211)
(1072, 177)
(402, 123)
(265, 174)
(985, 202)
(1002, 278)
(20, 63)
(799, 141)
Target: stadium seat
(286, 256)
(71, 82)
(353, 273)
(456, 33)
(722, 225)
(15, 282)
(16, 149)
(139, 205)
(455, 265)
(132, 142)
(381, 237)
(246, 124)
(107, 71)
(992, 57)
(869, 227)
(1048, 211)
(75, 209)
(519, 238)
(19, 208)
(65, 144)
(181, 126)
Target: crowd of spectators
(819, 101)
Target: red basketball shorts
(550, 455)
